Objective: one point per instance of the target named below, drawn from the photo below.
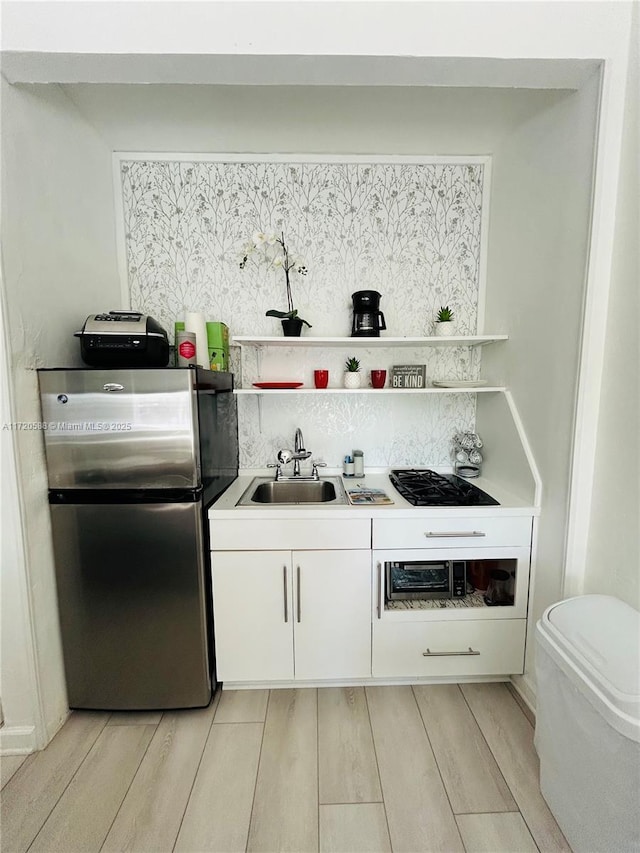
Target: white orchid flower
(261, 239)
(276, 253)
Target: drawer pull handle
(379, 588)
(430, 654)
(298, 579)
(435, 534)
(286, 604)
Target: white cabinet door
(253, 615)
(332, 603)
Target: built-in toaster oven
(423, 579)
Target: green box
(218, 343)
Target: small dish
(277, 385)
(458, 383)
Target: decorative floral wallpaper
(409, 230)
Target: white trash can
(588, 721)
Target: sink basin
(268, 491)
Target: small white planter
(445, 329)
(351, 380)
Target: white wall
(314, 120)
(613, 555)
(310, 119)
(18, 676)
(538, 246)
(102, 36)
(59, 266)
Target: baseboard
(360, 682)
(18, 740)
(53, 726)
(524, 696)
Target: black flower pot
(291, 327)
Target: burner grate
(423, 487)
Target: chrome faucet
(299, 452)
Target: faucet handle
(278, 468)
(314, 469)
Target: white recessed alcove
(539, 91)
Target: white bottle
(358, 463)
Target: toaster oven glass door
(419, 579)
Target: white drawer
(284, 534)
(444, 649)
(469, 531)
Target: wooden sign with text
(408, 376)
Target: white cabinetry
(281, 615)
(293, 599)
(253, 611)
(463, 638)
(446, 649)
(450, 532)
(332, 623)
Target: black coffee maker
(368, 320)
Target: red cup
(378, 378)
(321, 378)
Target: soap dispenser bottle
(358, 463)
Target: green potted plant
(352, 373)
(444, 322)
(276, 254)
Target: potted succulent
(276, 254)
(352, 373)
(444, 322)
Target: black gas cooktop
(422, 487)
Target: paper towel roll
(195, 322)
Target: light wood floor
(446, 768)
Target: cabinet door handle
(430, 654)
(298, 582)
(379, 588)
(435, 534)
(286, 603)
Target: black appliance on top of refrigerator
(135, 457)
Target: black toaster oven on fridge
(406, 579)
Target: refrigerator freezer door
(132, 598)
(120, 429)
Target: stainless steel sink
(328, 490)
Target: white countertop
(225, 507)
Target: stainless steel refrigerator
(134, 459)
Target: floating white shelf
(281, 341)
(269, 392)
